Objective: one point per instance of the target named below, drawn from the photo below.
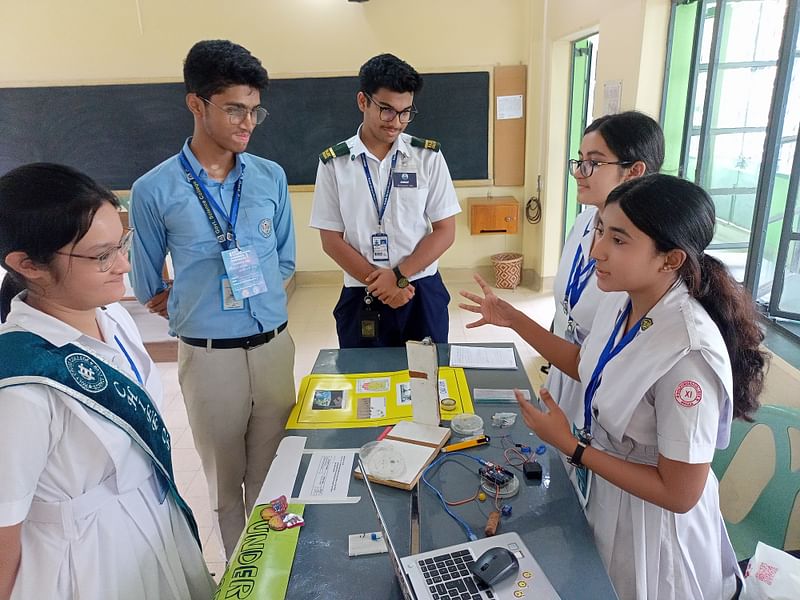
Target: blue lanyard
(382, 209)
(203, 195)
(579, 276)
(130, 361)
(609, 352)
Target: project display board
(115, 133)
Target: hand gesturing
(493, 310)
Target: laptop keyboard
(449, 578)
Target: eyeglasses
(107, 259)
(237, 114)
(388, 114)
(586, 167)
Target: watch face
(402, 282)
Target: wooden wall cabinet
(493, 215)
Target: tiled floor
(312, 327)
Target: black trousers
(425, 315)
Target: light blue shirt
(167, 216)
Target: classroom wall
(47, 42)
(632, 49)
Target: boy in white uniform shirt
(385, 206)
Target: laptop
(444, 574)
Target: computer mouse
(494, 565)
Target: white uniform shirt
(567, 391)
(668, 392)
(54, 452)
(342, 200)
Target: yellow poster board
(340, 401)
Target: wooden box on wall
(493, 215)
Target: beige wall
(46, 42)
(632, 49)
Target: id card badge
(402, 179)
(368, 320)
(228, 301)
(244, 272)
(380, 247)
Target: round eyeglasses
(388, 114)
(107, 259)
(586, 167)
(237, 114)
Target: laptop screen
(405, 587)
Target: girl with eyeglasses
(672, 356)
(88, 503)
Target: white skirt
(107, 546)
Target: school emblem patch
(265, 227)
(86, 372)
(688, 393)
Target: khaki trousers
(237, 402)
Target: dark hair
(43, 207)
(632, 136)
(213, 65)
(388, 71)
(678, 214)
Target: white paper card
(509, 107)
(490, 394)
(479, 357)
(328, 474)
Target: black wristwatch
(575, 459)
(402, 280)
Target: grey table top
(547, 515)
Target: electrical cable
(464, 525)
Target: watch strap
(400, 277)
(575, 459)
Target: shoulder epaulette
(340, 149)
(427, 144)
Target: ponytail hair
(43, 207)
(678, 214)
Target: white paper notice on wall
(509, 107)
(612, 97)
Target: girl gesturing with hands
(669, 361)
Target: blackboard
(115, 133)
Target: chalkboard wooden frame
(115, 133)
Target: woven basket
(507, 269)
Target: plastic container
(382, 461)
(507, 269)
(466, 425)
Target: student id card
(380, 247)
(244, 272)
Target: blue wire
(470, 534)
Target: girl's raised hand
(552, 426)
(492, 309)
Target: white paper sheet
(497, 394)
(479, 357)
(328, 474)
(509, 107)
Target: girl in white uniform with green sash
(88, 504)
(665, 368)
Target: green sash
(28, 358)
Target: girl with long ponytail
(668, 363)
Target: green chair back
(768, 520)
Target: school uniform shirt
(166, 215)
(573, 321)
(667, 392)
(342, 200)
(114, 539)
